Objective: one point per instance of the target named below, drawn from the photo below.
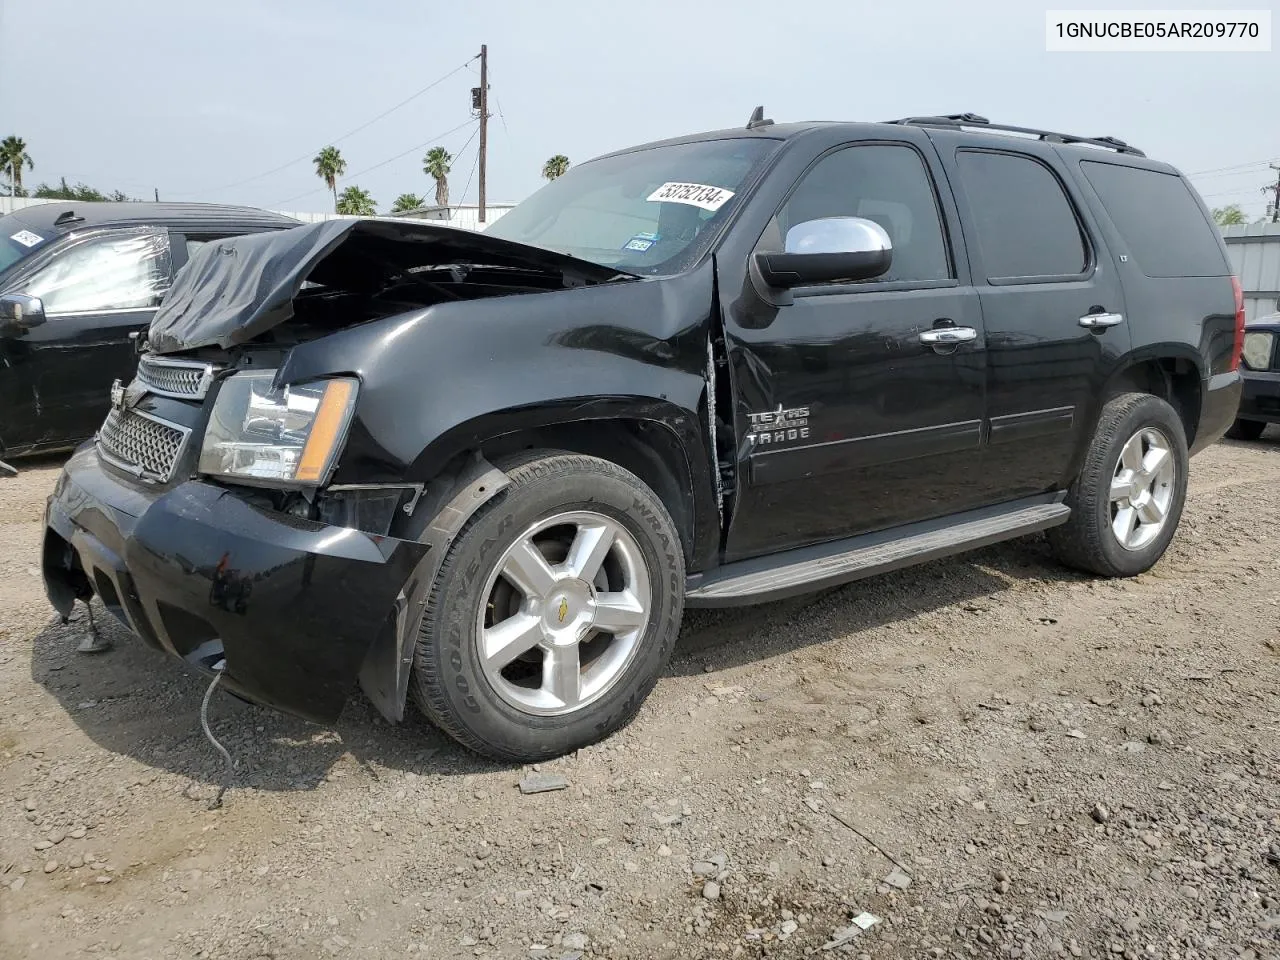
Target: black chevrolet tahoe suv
(489, 471)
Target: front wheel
(1127, 500)
(554, 612)
(1246, 430)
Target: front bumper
(291, 605)
(1260, 398)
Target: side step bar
(793, 572)
(7, 471)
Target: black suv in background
(489, 470)
(76, 279)
(1260, 400)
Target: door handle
(948, 336)
(1098, 321)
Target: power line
(474, 165)
(383, 163)
(1250, 192)
(349, 133)
(1239, 166)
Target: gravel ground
(989, 757)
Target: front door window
(119, 271)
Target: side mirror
(19, 313)
(827, 250)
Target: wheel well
(1174, 380)
(649, 450)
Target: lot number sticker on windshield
(694, 194)
(27, 238)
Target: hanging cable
(216, 802)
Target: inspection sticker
(694, 194)
(27, 238)
(641, 242)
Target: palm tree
(356, 202)
(555, 167)
(329, 167)
(436, 165)
(13, 154)
(408, 201)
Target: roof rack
(973, 120)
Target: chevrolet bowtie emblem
(124, 398)
(564, 609)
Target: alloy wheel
(1142, 488)
(566, 607)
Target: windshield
(649, 212)
(17, 241)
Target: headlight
(288, 436)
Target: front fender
(436, 379)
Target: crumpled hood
(236, 289)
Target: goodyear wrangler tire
(554, 612)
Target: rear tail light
(1238, 347)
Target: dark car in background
(76, 280)
(1260, 398)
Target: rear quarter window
(1165, 231)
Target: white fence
(1255, 258)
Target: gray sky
(191, 98)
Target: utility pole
(157, 190)
(1274, 189)
(484, 118)
(480, 104)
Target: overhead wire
(349, 133)
(1219, 171)
(475, 163)
(383, 163)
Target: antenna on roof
(757, 119)
(69, 216)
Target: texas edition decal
(784, 425)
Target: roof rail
(973, 120)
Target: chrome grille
(175, 378)
(141, 444)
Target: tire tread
(426, 682)
(1078, 542)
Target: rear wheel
(1246, 430)
(1127, 500)
(554, 613)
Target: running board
(793, 572)
(7, 471)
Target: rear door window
(1166, 232)
(1026, 226)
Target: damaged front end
(205, 514)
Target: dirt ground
(993, 756)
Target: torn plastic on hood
(234, 290)
(123, 270)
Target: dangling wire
(216, 802)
